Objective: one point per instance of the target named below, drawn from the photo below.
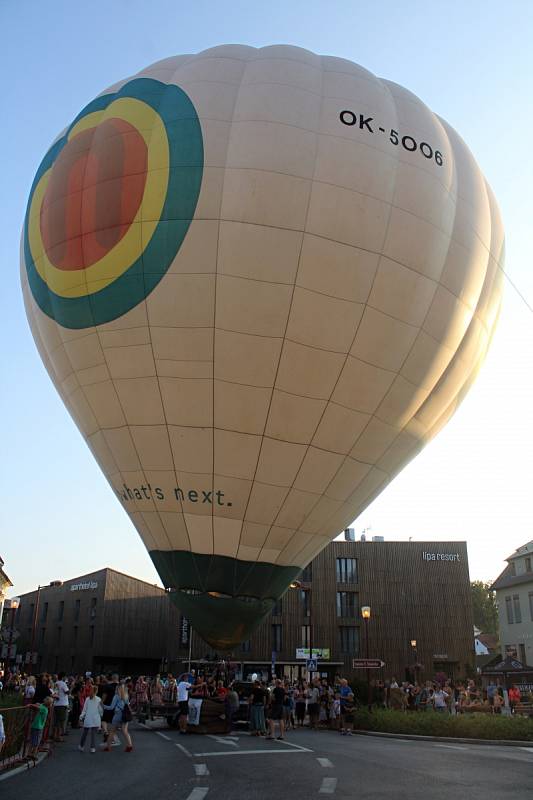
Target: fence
(17, 728)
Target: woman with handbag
(122, 716)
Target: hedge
(430, 723)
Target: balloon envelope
(261, 281)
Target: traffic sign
(367, 663)
(312, 664)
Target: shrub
(463, 726)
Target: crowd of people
(105, 704)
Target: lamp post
(365, 613)
(298, 585)
(15, 602)
(52, 584)
(415, 653)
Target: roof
(506, 579)
(490, 640)
(523, 550)
(508, 666)
(88, 575)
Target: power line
(517, 290)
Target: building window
(43, 633)
(522, 652)
(44, 612)
(517, 609)
(531, 605)
(346, 570)
(509, 610)
(305, 597)
(306, 574)
(91, 634)
(305, 637)
(32, 612)
(92, 611)
(513, 568)
(278, 607)
(347, 604)
(59, 632)
(349, 636)
(276, 638)
(77, 610)
(528, 563)
(75, 633)
(61, 611)
(246, 646)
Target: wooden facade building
(417, 592)
(104, 621)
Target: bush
(10, 699)
(463, 726)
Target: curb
(451, 739)
(23, 767)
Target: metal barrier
(17, 728)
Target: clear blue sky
(471, 62)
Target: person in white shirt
(439, 700)
(60, 695)
(183, 704)
(2, 733)
(91, 716)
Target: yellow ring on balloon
(82, 282)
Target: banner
(195, 705)
(323, 653)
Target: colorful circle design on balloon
(112, 202)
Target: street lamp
(52, 584)
(298, 585)
(15, 602)
(415, 653)
(365, 613)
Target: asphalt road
(166, 765)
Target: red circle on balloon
(94, 193)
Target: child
(37, 726)
(91, 716)
(336, 711)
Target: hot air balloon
(261, 281)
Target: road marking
(451, 746)
(225, 740)
(527, 749)
(251, 752)
(201, 769)
(328, 786)
(324, 762)
(199, 793)
(163, 736)
(183, 749)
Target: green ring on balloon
(186, 163)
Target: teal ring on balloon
(112, 202)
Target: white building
(514, 596)
(5, 583)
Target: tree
(484, 607)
